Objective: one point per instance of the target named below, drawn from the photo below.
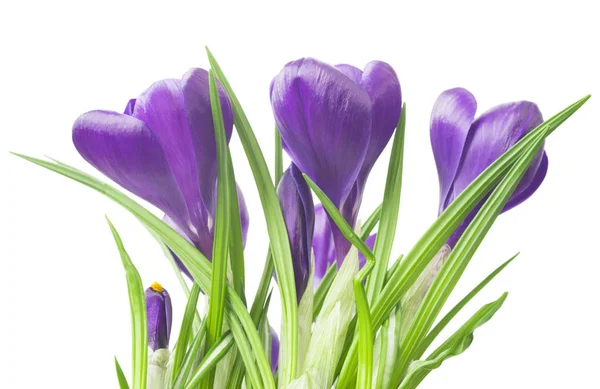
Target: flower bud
(158, 311)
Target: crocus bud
(158, 311)
(464, 147)
(299, 216)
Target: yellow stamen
(156, 287)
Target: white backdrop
(64, 311)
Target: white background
(64, 312)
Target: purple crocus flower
(163, 149)
(298, 210)
(464, 146)
(159, 313)
(334, 122)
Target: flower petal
(161, 107)
(196, 100)
(451, 118)
(382, 85)
(324, 119)
(491, 135)
(124, 149)
(322, 243)
(528, 184)
(353, 72)
(298, 212)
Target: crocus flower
(158, 311)
(163, 149)
(334, 122)
(464, 146)
(298, 210)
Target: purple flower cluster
(334, 123)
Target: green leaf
(243, 347)
(278, 156)
(236, 243)
(185, 330)
(388, 353)
(282, 256)
(339, 220)
(455, 345)
(194, 261)
(209, 362)
(457, 308)
(322, 289)
(460, 257)
(139, 322)
(417, 258)
(216, 307)
(120, 376)
(192, 355)
(365, 337)
(389, 211)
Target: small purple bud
(159, 313)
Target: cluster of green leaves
(351, 334)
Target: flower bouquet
(354, 314)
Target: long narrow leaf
(389, 211)
(236, 244)
(365, 337)
(457, 308)
(185, 330)
(209, 362)
(120, 376)
(139, 322)
(194, 352)
(216, 307)
(282, 256)
(455, 345)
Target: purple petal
(196, 98)
(298, 212)
(382, 85)
(322, 244)
(159, 313)
(161, 107)
(124, 149)
(490, 136)
(178, 261)
(324, 119)
(129, 107)
(528, 185)
(353, 72)
(451, 118)
(370, 242)
(274, 351)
